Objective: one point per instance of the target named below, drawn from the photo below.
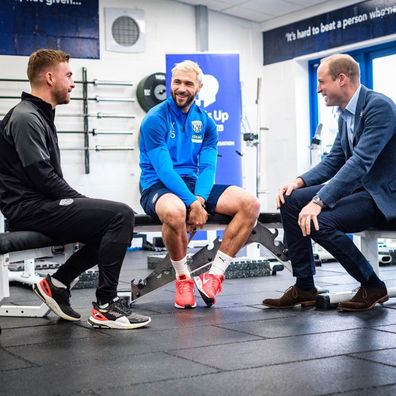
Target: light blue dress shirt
(348, 115)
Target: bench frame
(28, 276)
(368, 246)
(143, 224)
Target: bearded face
(184, 88)
(63, 83)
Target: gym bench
(325, 300)
(369, 248)
(29, 246)
(164, 273)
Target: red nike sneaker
(209, 285)
(185, 293)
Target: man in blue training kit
(178, 155)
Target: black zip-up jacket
(30, 169)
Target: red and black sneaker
(184, 297)
(209, 285)
(116, 315)
(57, 299)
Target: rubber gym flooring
(237, 347)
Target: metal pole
(258, 146)
(98, 148)
(107, 82)
(85, 111)
(110, 132)
(97, 115)
(83, 98)
(94, 82)
(10, 97)
(99, 132)
(13, 80)
(107, 99)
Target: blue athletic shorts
(151, 195)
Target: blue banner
(359, 22)
(68, 25)
(220, 96)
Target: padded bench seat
(386, 226)
(145, 223)
(24, 240)
(28, 245)
(369, 241)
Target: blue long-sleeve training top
(174, 144)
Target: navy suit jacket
(371, 165)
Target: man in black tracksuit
(34, 196)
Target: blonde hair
(188, 66)
(342, 63)
(43, 58)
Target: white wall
(285, 113)
(228, 34)
(170, 28)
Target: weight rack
(86, 115)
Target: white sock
(220, 263)
(180, 267)
(57, 283)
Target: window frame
(365, 57)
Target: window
(383, 68)
(377, 71)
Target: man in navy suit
(361, 190)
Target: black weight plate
(151, 91)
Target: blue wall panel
(359, 22)
(69, 25)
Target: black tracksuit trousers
(104, 227)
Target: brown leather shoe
(293, 296)
(365, 299)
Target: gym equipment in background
(151, 91)
(85, 114)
